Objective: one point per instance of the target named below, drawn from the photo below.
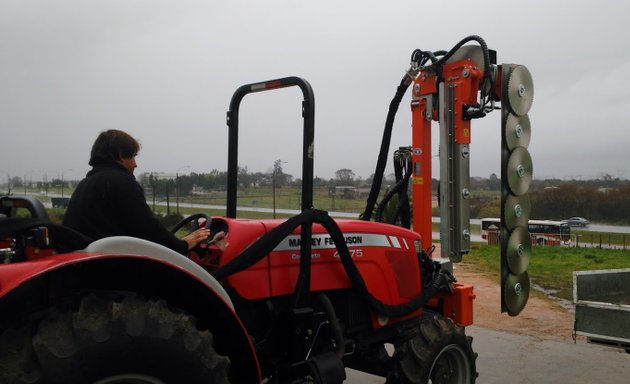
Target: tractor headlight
(418, 245)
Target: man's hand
(196, 237)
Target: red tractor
(289, 301)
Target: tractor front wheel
(111, 339)
(437, 352)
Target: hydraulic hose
(385, 142)
(335, 327)
(478, 39)
(264, 245)
(359, 284)
(418, 59)
(399, 188)
(486, 61)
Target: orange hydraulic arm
(446, 94)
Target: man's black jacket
(110, 202)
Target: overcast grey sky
(165, 72)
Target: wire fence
(601, 240)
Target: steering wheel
(201, 247)
(193, 219)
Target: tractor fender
(135, 246)
(135, 265)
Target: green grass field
(552, 267)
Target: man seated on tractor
(110, 202)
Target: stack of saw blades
(516, 176)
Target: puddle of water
(564, 303)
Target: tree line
(601, 200)
(601, 204)
(217, 180)
(606, 199)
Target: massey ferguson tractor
(289, 301)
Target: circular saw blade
(516, 211)
(516, 293)
(518, 131)
(519, 171)
(520, 90)
(519, 250)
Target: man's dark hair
(113, 145)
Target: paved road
(592, 227)
(507, 358)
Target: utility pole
(177, 186)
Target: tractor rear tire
(111, 339)
(437, 352)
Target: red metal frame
(466, 78)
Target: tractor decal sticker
(324, 241)
(394, 241)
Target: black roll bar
(308, 114)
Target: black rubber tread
(414, 357)
(106, 336)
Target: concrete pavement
(514, 359)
